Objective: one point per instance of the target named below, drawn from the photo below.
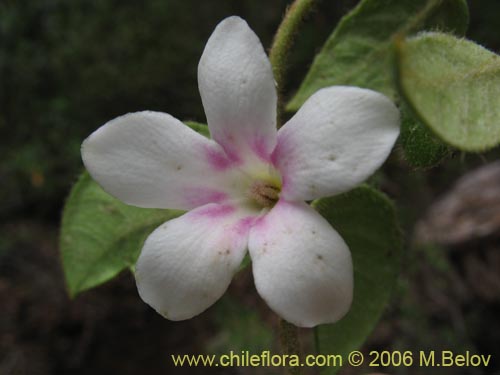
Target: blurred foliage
(452, 86)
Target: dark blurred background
(67, 67)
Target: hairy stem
(282, 43)
(290, 343)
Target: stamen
(264, 193)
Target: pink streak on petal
(241, 229)
(228, 142)
(217, 159)
(259, 146)
(196, 197)
(244, 225)
(215, 211)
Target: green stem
(282, 43)
(289, 337)
(316, 339)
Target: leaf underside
(453, 87)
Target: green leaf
(453, 87)
(421, 148)
(238, 328)
(101, 236)
(366, 219)
(359, 51)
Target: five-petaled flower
(247, 187)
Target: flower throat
(264, 193)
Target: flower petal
(339, 137)
(301, 266)
(187, 263)
(238, 92)
(150, 159)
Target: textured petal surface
(150, 159)
(187, 263)
(301, 266)
(238, 92)
(339, 137)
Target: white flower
(247, 187)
